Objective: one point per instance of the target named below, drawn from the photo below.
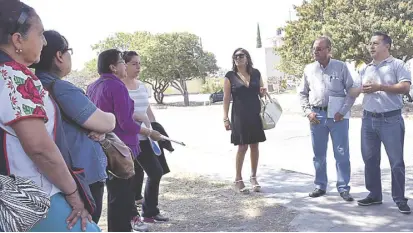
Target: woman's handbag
(120, 161)
(119, 155)
(270, 112)
(22, 204)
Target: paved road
(286, 167)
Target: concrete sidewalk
(290, 189)
(286, 169)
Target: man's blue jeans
(390, 131)
(339, 137)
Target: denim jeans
(389, 131)
(56, 218)
(339, 137)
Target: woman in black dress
(245, 85)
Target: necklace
(245, 80)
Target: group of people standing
(327, 93)
(49, 127)
(45, 120)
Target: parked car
(408, 98)
(217, 97)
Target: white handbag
(271, 112)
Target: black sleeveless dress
(246, 123)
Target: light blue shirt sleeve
(348, 84)
(403, 74)
(74, 103)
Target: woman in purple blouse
(110, 94)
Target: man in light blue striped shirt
(325, 101)
(383, 82)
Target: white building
(266, 60)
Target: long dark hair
(249, 61)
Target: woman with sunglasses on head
(147, 160)
(84, 124)
(29, 127)
(245, 84)
(110, 94)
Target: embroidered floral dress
(22, 96)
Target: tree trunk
(186, 98)
(185, 92)
(158, 97)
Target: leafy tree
(168, 59)
(183, 60)
(350, 24)
(81, 78)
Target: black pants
(121, 204)
(148, 162)
(97, 189)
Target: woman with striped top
(147, 160)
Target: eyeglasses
(239, 56)
(70, 50)
(318, 49)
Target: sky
(223, 25)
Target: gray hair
(326, 39)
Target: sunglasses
(239, 56)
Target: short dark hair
(128, 55)
(14, 17)
(386, 38)
(107, 58)
(55, 43)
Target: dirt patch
(195, 203)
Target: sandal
(243, 190)
(255, 187)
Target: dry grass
(195, 203)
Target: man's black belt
(383, 114)
(319, 108)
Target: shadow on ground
(195, 203)
(181, 104)
(331, 213)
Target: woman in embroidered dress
(28, 113)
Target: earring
(19, 50)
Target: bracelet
(226, 120)
(70, 194)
